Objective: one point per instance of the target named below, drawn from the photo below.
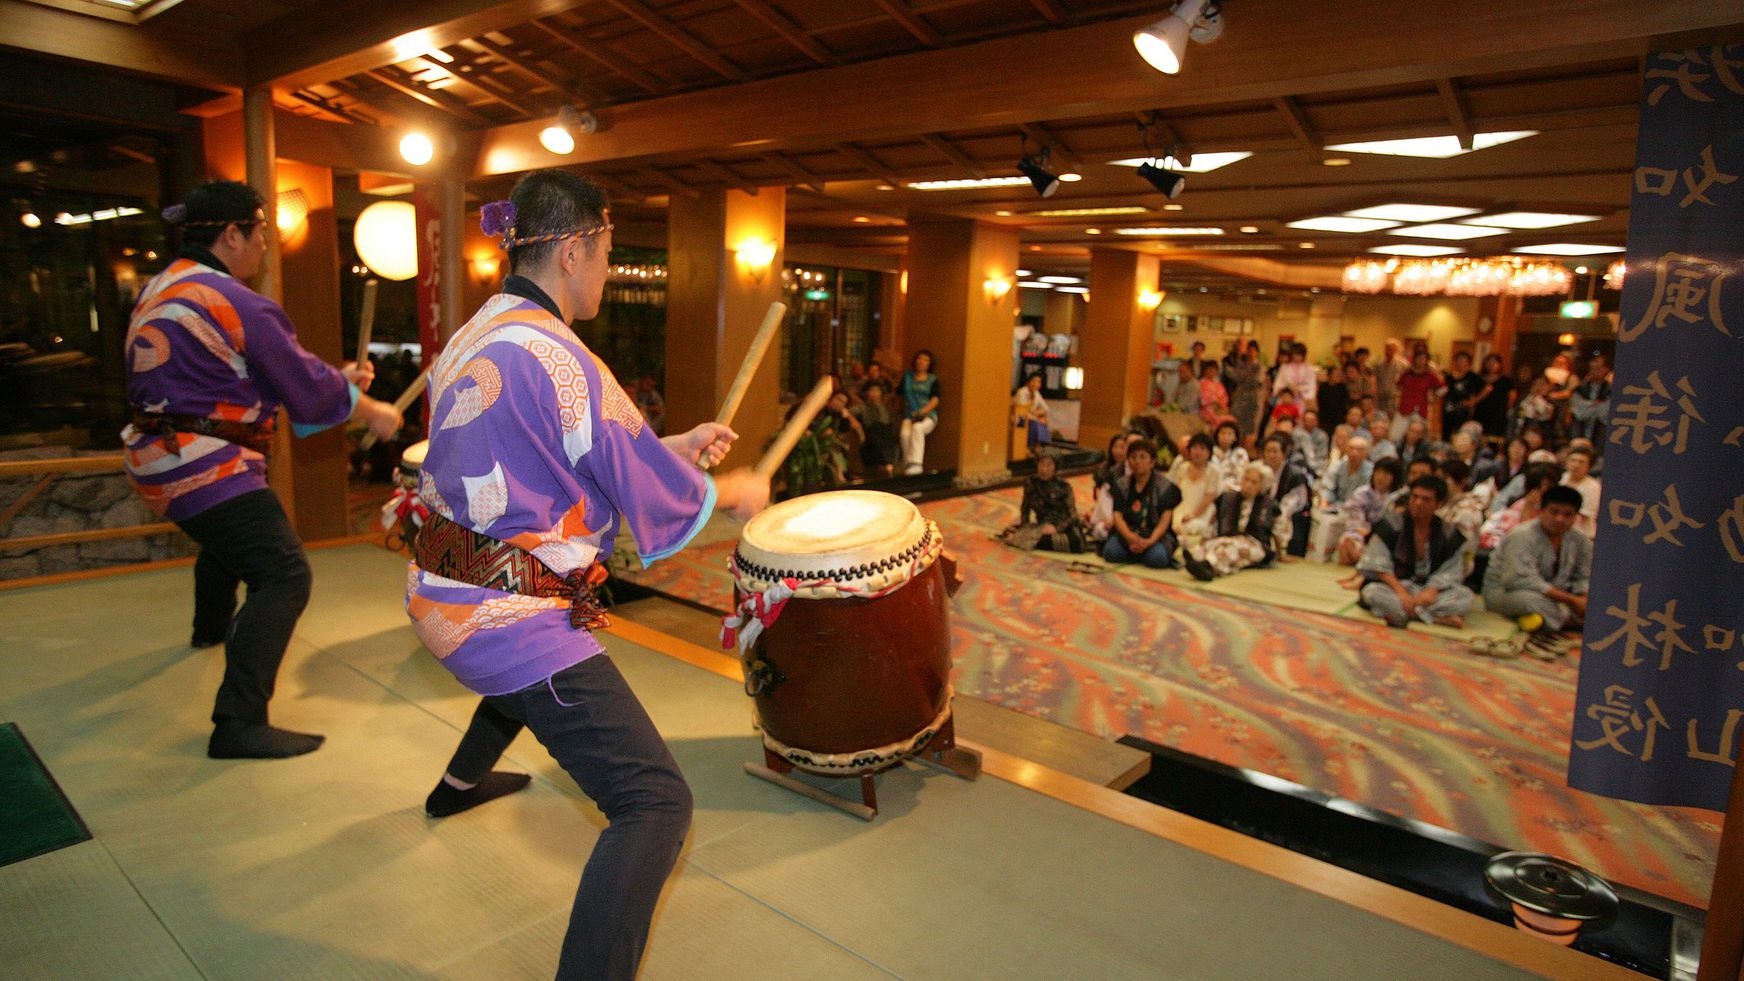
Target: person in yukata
(1414, 563)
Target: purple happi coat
(533, 442)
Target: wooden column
(714, 305)
(1115, 344)
(451, 207)
(260, 163)
(951, 313)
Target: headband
(177, 214)
(498, 221)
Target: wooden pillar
(309, 261)
(715, 301)
(951, 312)
(451, 209)
(1115, 345)
(260, 163)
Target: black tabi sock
(447, 800)
(237, 741)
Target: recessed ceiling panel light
(1411, 212)
(1340, 223)
(1168, 231)
(1304, 245)
(1234, 247)
(1086, 212)
(1336, 162)
(1450, 232)
(1093, 231)
(1203, 163)
(1021, 273)
(1030, 284)
(1072, 289)
(967, 183)
(1071, 177)
(1435, 147)
(1067, 280)
(1250, 229)
(1174, 207)
(1426, 251)
(1570, 248)
(1530, 219)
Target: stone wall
(79, 503)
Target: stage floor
(325, 866)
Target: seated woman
(1144, 506)
(1242, 536)
(1369, 504)
(1227, 455)
(1213, 397)
(1048, 517)
(880, 450)
(1029, 411)
(1538, 478)
(1199, 483)
(1102, 480)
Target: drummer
(535, 454)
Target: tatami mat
(324, 866)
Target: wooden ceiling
(847, 102)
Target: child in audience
(1227, 455)
(1368, 505)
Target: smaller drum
(406, 510)
(844, 629)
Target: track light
(1164, 43)
(1168, 182)
(1036, 169)
(559, 137)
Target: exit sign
(1579, 309)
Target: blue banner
(1661, 699)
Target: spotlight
(1036, 169)
(1169, 183)
(1164, 43)
(417, 149)
(559, 137)
(30, 220)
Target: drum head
(412, 460)
(840, 535)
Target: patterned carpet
(1404, 721)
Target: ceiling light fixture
(1529, 219)
(1085, 212)
(1030, 284)
(1166, 231)
(1412, 212)
(1093, 231)
(1035, 168)
(1335, 162)
(1455, 233)
(1060, 280)
(1433, 147)
(417, 149)
(1250, 229)
(559, 137)
(1167, 182)
(1085, 290)
(1421, 251)
(1570, 249)
(966, 183)
(1199, 163)
(1021, 273)
(1164, 43)
(1071, 177)
(1340, 223)
(30, 220)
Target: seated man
(1242, 533)
(1144, 508)
(1539, 573)
(1312, 441)
(1351, 473)
(1415, 561)
(1381, 447)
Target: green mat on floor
(1309, 586)
(35, 817)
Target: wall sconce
(292, 210)
(902, 283)
(1074, 379)
(1566, 340)
(756, 256)
(996, 288)
(485, 268)
(1149, 300)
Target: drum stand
(941, 752)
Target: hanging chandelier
(1614, 275)
(1511, 275)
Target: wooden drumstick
(366, 321)
(796, 427)
(748, 367)
(407, 397)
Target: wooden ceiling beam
(800, 174)
(788, 31)
(726, 175)
(1091, 70)
(145, 49)
(873, 165)
(619, 66)
(435, 98)
(1457, 112)
(670, 182)
(1298, 122)
(954, 154)
(333, 109)
(319, 42)
(679, 38)
(480, 77)
(900, 12)
(572, 91)
(1062, 154)
(1050, 11)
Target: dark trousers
(590, 721)
(248, 539)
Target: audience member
(1534, 411)
(1213, 397)
(1102, 480)
(1227, 456)
(1415, 444)
(1199, 483)
(1047, 518)
(1414, 563)
(1242, 532)
(1491, 410)
(1539, 477)
(1144, 509)
(1297, 377)
(1367, 505)
(920, 400)
(1029, 411)
(1538, 575)
(1247, 399)
(1381, 445)
(1466, 505)
(1351, 473)
(1461, 390)
(1312, 441)
(1342, 391)
(1291, 490)
(880, 450)
(1464, 448)
(1187, 387)
(1415, 387)
(1590, 403)
(1579, 475)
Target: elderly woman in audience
(1380, 446)
(1538, 478)
(1144, 508)
(1464, 448)
(1291, 490)
(1366, 506)
(1350, 473)
(1227, 455)
(1200, 483)
(1242, 533)
(1539, 573)
(1047, 519)
(1414, 563)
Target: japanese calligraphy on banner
(1657, 714)
(429, 271)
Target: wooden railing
(48, 471)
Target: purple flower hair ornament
(498, 220)
(175, 214)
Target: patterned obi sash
(456, 552)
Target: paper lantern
(386, 237)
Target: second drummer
(535, 456)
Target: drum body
(853, 675)
(406, 501)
